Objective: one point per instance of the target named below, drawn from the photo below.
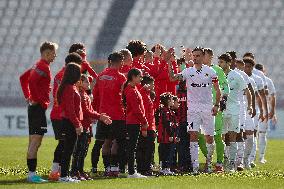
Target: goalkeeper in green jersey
(223, 84)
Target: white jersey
(258, 81)
(237, 84)
(242, 94)
(199, 87)
(270, 86)
(261, 75)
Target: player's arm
(259, 104)
(272, 102)
(252, 92)
(249, 100)
(173, 76)
(218, 96)
(264, 103)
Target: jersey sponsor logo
(182, 99)
(200, 84)
(106, 77)
(206, 75)
(192, 75)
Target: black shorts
(116, 130)
(57, 129)
(37, 120)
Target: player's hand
(171, 139)
(188, 54)
(105, 118)
(177, 139)
(79, 130)
(261, 117)
(144, 133)
(249, 110)
(157, 53)
(168, 55)
(265, 118)
(271, 114)
(215, 110)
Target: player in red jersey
(56, 120)
(36, 87)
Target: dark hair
(147, 79)
(76, 46)
(180, 61)
(249, 54)
(175, 98)
(73, 57)
(209, 51)
(125, 52)
(136, 47)
(226, 57)
(233, 54)
(71, 75)
(47, 45)
(249, 61)
(161, 46)
(199, 49)
(164, 98)
(134, 72)
(240, 61)
(259, 67)
(115, 58)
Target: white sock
(210, 151)
(262, 141)
(248, 147)
(194, 154)
(226, 151)
(55, 167)
(240, 153)
(31, 174)
(253, 151)
(233, 151)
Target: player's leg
(194, 122)
(262, 140)
(208, 128)
(219, 141)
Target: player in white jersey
(263, 127)
(237, 85)
(199, 81)
(260, 95)
(243, 114)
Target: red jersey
(137, 63)
(55, 113)
(182, 96)
(165, 120)
(149, 108)
(107, 94)
(35, 83)
(125, 69)
(71, 105)
(85, 66)
(89, 115)
(135, 112)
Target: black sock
(32, 163)
(114, 160)
(106, 160)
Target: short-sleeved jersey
(199, 87)
(237, 84)
(242, 95)
(270, 86)
(261, 75)
(258, 81)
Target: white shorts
(249, 124)
(201, 121)
(262, 126)
(231, 123)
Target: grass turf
(13, 171)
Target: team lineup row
(186, 103)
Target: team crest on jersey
(192, 75)
(206, 75)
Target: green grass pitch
(13, 171)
